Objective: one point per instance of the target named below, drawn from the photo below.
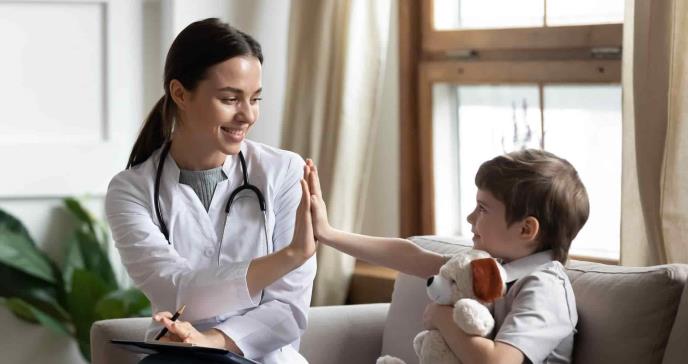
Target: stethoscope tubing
(245, 186)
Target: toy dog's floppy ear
(487, 280)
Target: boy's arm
(470, 349)
(395, 253)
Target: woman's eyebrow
(237, 90)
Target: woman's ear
(530, 227)
(179, 94)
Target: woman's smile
(234, 134)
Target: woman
(245, 276)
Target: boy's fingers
(315, 182)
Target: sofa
(626, 315)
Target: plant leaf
(83, 215)
(86, 290)
(94, 259)
(11, 223)
(37, 292)
(18, 250)
(30, 313)
(123, 303)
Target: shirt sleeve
(156, 268)
(281, 318)
(540, 317)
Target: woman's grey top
(203, 182)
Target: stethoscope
(245, 186)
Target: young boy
(530, 206)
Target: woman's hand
(183, 331)
(321, 225)
(303, 243)
(435, 313)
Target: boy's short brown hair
(537, 183)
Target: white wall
(158, 23)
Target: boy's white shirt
(540, 284)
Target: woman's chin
(231, 149)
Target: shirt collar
(520, 268)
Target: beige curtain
(654, 227)
(337, 51)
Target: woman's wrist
(219, 340)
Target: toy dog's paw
(473, 317)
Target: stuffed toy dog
(470, 282)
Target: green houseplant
(65, 298)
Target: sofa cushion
(625, 314)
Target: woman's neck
(194, 156)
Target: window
(497, 76)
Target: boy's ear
(530, 227)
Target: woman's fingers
(158, 316)
(305, 196)
(181, 329)
(313, 179)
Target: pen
(174, 318)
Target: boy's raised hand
(321, 225)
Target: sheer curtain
(654, 227)
(337, 56)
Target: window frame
(546, 55)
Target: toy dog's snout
(439, 290)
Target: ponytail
(156, 130)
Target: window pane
(491, 120)
(486, 14)
(567, 12)
(491, 14)
(474, 123)
(583, 125)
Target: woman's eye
(255, 100)
(229, 100)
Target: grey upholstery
(626, 315)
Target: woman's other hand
(183, 331)
(321, 225)
(303, 243)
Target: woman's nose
(469, 218)
(247, 112)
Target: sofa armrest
(103, 352)
(344, 334)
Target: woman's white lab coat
(205, 265)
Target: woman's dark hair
(198, 47)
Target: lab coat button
(208, 252)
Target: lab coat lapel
(184, 205)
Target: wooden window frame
(547, 55)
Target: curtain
(336, 64)
(654, 226)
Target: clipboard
(213, 355)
